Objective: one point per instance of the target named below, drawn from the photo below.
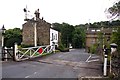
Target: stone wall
(28, 33)
(43, 32)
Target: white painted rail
(32, 52)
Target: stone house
(43, 31)
(54, 36)
(92, 36)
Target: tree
(78, 39)
(12, 36)
(66, 31)
(57, 26)
(114, 10)
(71, 34)
(67, 34)
(116, 38)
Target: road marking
(93, 60)
(35, 72)
(88, 58)
(27, 76)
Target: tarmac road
(73, 64)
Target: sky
(73, 12)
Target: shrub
(62, 48)
(93, 49)
(25, 46)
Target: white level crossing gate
(32, 52)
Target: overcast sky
(73, 12)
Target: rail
(32, 52)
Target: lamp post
(3, 32)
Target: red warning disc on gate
(40, 50)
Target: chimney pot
(37, 14)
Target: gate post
(113, 49)
(5, 52)
(15, 52)
(53, 45)
(105, 65)
(54, 48)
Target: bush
(93, 49)
(66, 50)
(10, 42)
(25, 46)
(57, 51)
(62, 48)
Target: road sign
(40, 50)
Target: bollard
(105, 65)
(5, 54)
(53, 47)
(105, 60)
(110, 64)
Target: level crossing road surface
(73, 64)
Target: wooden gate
(32, 52)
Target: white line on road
(27, 76)
(95, 57)
(88, 58)
(35, 72)
(93, 60)
(30, 75)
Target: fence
(19, 54)
(32, 52)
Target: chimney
(37, 14)
(42, 18)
